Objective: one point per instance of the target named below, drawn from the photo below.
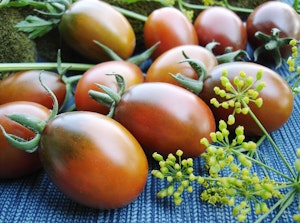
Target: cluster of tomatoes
(101, 161)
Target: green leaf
(36, 26)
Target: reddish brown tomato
(93, 159)
(164, 118)
(16, 163)
(221, 25)
(273, 14)
(277, 97)
(98, 74)
(89, 20)
(168, 63)
(170, 27)
(25, 86)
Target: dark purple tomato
(273, 14)
(170, 27)
(219, 24)
(93, 159)
(164, 118)
(277, 97)
(169, 63)
(89, 20)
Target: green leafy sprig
(50, 13)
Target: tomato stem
(270, 139)
(131, 14)
(223, 3)
(234, 8)
(288, 197)
(265, 166)
(4, 67)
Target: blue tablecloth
(36, 199)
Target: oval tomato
(170, 27)
(168, 63)
(26, 86)
(89, 20)
(164, 118)
(93, 159)
(14, 162)
(219, 24)
(269, 15)
(277, 97)
(131, 73)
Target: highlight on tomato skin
(93, 159)
(99, 74)
(15, 163)
(170, 27)
(170, 63)
(221, 25)
(164, 118)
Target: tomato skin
(164, 118)
(170, 27)
(89, 20)
(98, 74)
(25, 86)
(273, 14)
(168, 62)
(15, 163)
(221, 25)
(277, 97)
(93, 159)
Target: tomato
(16, 163)
(168, 63)
(89, 20)
(26, 86)
(98, 74)
(269, 15)
(164, 118)
(170, 27)
(277, 97)
(219, 24)
(93, 159)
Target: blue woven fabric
(36, 199)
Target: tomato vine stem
(270, 139)
(5, 67)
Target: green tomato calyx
(34, 124)
(109, 97)
(271, 43)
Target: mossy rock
(15, 46)
(48, 46)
